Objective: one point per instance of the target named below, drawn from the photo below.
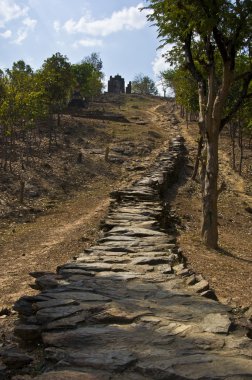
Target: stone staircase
(123, 309)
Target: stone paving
(127, 308)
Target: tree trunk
(214, 110)
(197, 159)
(209, 229)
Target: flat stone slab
(139, 232)
(119, 276)
(151, 260)
(195, 366)
(69, 375)
(96, 267)
(77, 296)
(216, 323)
(50, 314)
(115, 360)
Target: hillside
(67, 193)
(64, 199)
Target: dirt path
(50, 241)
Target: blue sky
(33, 30)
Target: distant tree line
(144, 85)
(34, 100)
(239, 126)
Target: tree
(208, 37)
(163, 82)
(21, 104)
(142, 84)
(88, 76)
(184, 87)
(57, 80)
(95, 61)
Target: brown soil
(228, 270)
(69, 215)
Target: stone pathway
(127, 308)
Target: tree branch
(242, 76)
(218, 37)
(190, 62)
(243, 96)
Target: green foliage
(208, 37)
(95, 61)
(142, 84)
(57, 81)
(184, 87)
(22, 97)
(88, 76)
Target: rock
(24, 305)
(50, 314)
(166, 269)
(209, 294)
(200, 286)
(54, 303)
(116, 315)
(15, 359)
(216, 323)
(123, 276)
(195, 366)
(178, 268)
(191, 280)
(48, 281)
(27, 332)
(248, 314)
(115, 360)
(96, 267)
(138, 232)
(151, 261)
(184, 272)
(78, 296)
(40, 274)
(69, 375)
(67, 322)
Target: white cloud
(10, 10)
(6, 34)
(56, 26)
(126, 19)
(87, 43)
(159, 63)
(29, 23)
(23, 32)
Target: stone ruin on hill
(116, 85)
